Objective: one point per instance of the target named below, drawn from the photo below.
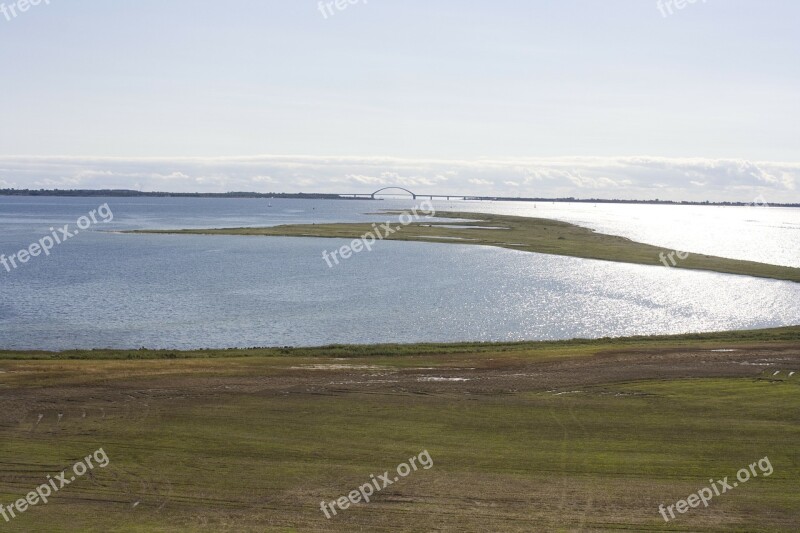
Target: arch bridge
(414, 196)
(365, 196)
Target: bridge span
(405, 192)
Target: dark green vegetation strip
(567, 347)
(520, 233)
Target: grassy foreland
(558, 436)
(519, 233)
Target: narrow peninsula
(538, 235)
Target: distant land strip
(125, 193)
(539, 235)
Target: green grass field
(518, 233)
(569, 436)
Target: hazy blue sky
(498, 97)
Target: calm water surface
(104, 289)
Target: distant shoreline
(124, 193)
(708, 340)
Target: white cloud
(600, 177)
(263, 179)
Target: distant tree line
(129, 193)
(319, 196)
(617, 201)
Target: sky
(625, 99)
